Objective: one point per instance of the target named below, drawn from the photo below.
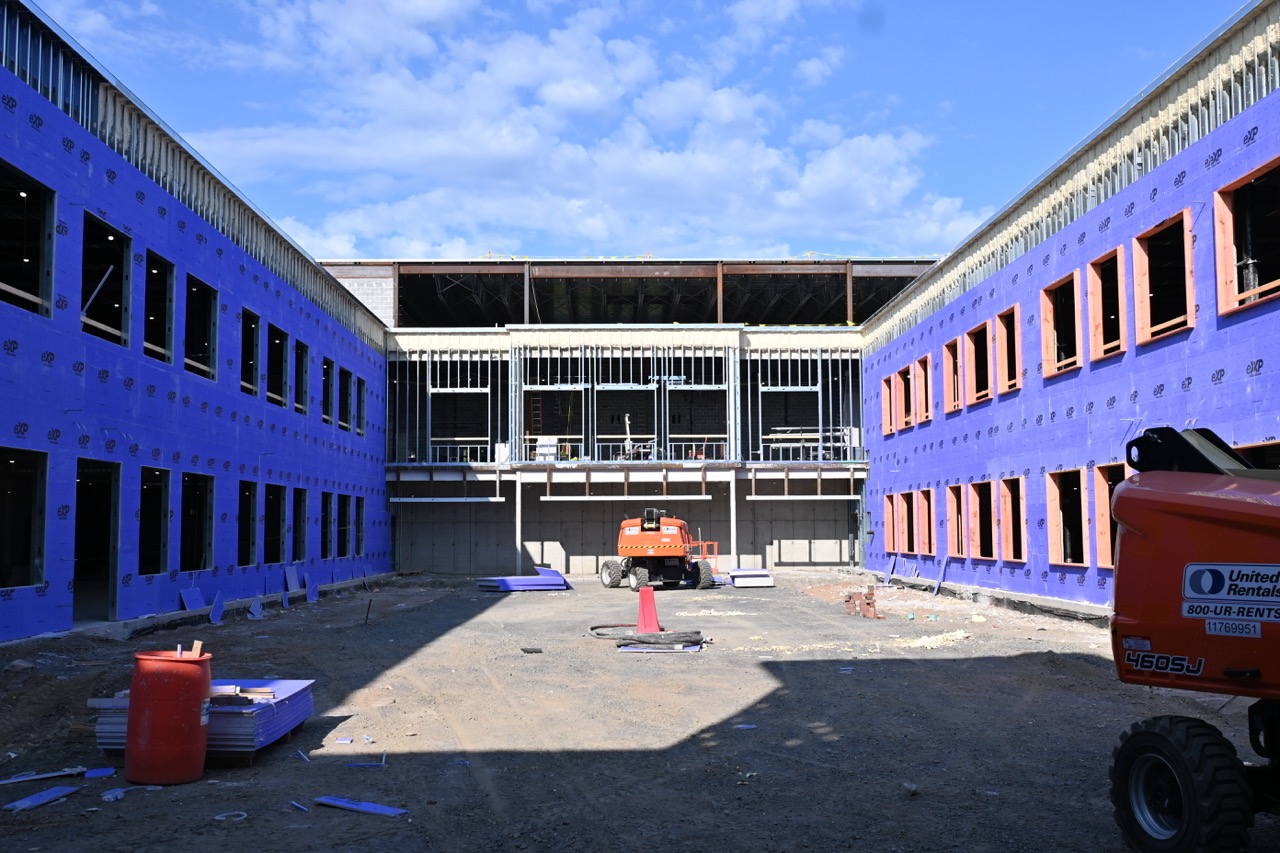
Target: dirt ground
(946, 725)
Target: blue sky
(749, 129)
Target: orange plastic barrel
(168, 727)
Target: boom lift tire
(611, 574)
(637, 577)
(706, 577)
(1177, 786)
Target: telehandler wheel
(637, 577)
(611, 574)
(1177, 785)
(706, 578)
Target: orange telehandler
(1197, 607)
(658, 548)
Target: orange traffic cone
(647, 622)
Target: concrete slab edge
(1032, 604)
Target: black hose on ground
(625, 635)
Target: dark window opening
(247, 524)
(326, 525)
(196, 545)
(1167, 279)
(200, 337)
(1067, 525)
(157, 328)
(26, 241)
(97, 539)
(273, 525)
(344, 399)
(1014, 522)
(1009, 364)
(104, 282)
(985, 544)
(298, 539)
(979, 365)
(1108, 273)
(909, 522)
(359, 527)
(1106, 478)
(955, 522)
(1262, 455)
(344, 525)
(1256, 214)
(22, 494)
(359, 403)
(153, 522)
(277, 365)
(249, 323)
(1062, 317)
(951, 374)
(326, 391)
(301, 355)
(905, 400)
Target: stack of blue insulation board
(545, 579)
(275, 707)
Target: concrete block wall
(475, 539)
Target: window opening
(359, 403)
(905, 399)
(157, 328)
(359, 527)
(982, 521)
(1013, 520)
(26, 241)
(924, 389)
(1008, 353)
(326, 391)
(247, 524)
(1106, 308)
(326, 525)
(153, 522)
(1066, 518)
(1060, 327)
(298, 530)
(956, 537)
(344, 399)
(273, 526)
(1105, 480)
(22, 518)
(200, 343)
(301, 354)
(97, 539)
(890, 523)
(925, 536)
(344, 525)
(1162, 281)
(907, 500)
(197, 523)
(277, 365)
(951, 376)
(104, 282)
(978, 360)
(249, 323)
(1255, 209)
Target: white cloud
(815, 71)
(443, 129)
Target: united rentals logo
(1231, 590)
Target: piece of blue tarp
(359, 806)
(545, 579)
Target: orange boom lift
(658, 548)
(1197, 607)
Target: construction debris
(862, 603)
